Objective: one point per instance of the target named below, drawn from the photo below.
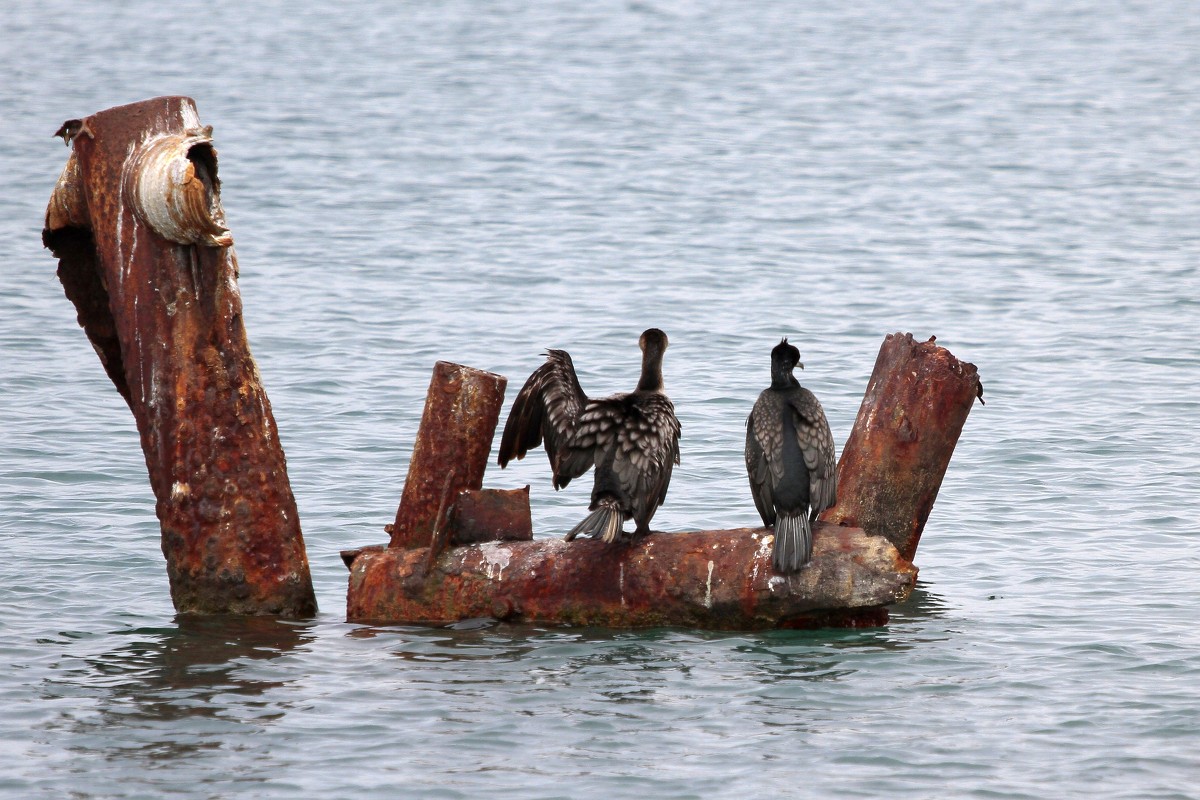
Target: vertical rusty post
(144, 254)
(910, 419)
(462, 408)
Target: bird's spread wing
(764, 435)
(816, 443)
(548, 407)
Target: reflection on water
(200, 656)
(627, 665)
(160, 680)
(922, 604)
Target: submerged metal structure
(911, 416)
(891, 467)
(701, 579)
(462, 408)
(147, 258)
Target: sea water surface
(476, 182)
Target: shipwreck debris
(703, 579)
(462, 408)
(911, 416)
(485, 515)
(145, 256)
(711, 579)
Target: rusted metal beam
(146, 257)
(462, 408)
(910, 419)
(705, 579)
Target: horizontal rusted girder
(462, 407)
(145, 255)
(703, 579)
(909, 422)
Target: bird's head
(786, 354)
(653, 340)
(784, 358)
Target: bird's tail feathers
(606, 522)
(793, 542)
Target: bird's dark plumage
(632, 439)
(790, 460)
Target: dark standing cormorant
(789, 457)
(633, 439)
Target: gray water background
(479, 181)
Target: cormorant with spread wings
(632, 439)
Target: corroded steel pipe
(462, 408)
(705, 579)
(910, 419)
(146, 257)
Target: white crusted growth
(188, 114)
(495, 558)
(762, 555)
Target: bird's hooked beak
(800, 364)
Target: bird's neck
(783, 380)
(652, 379)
